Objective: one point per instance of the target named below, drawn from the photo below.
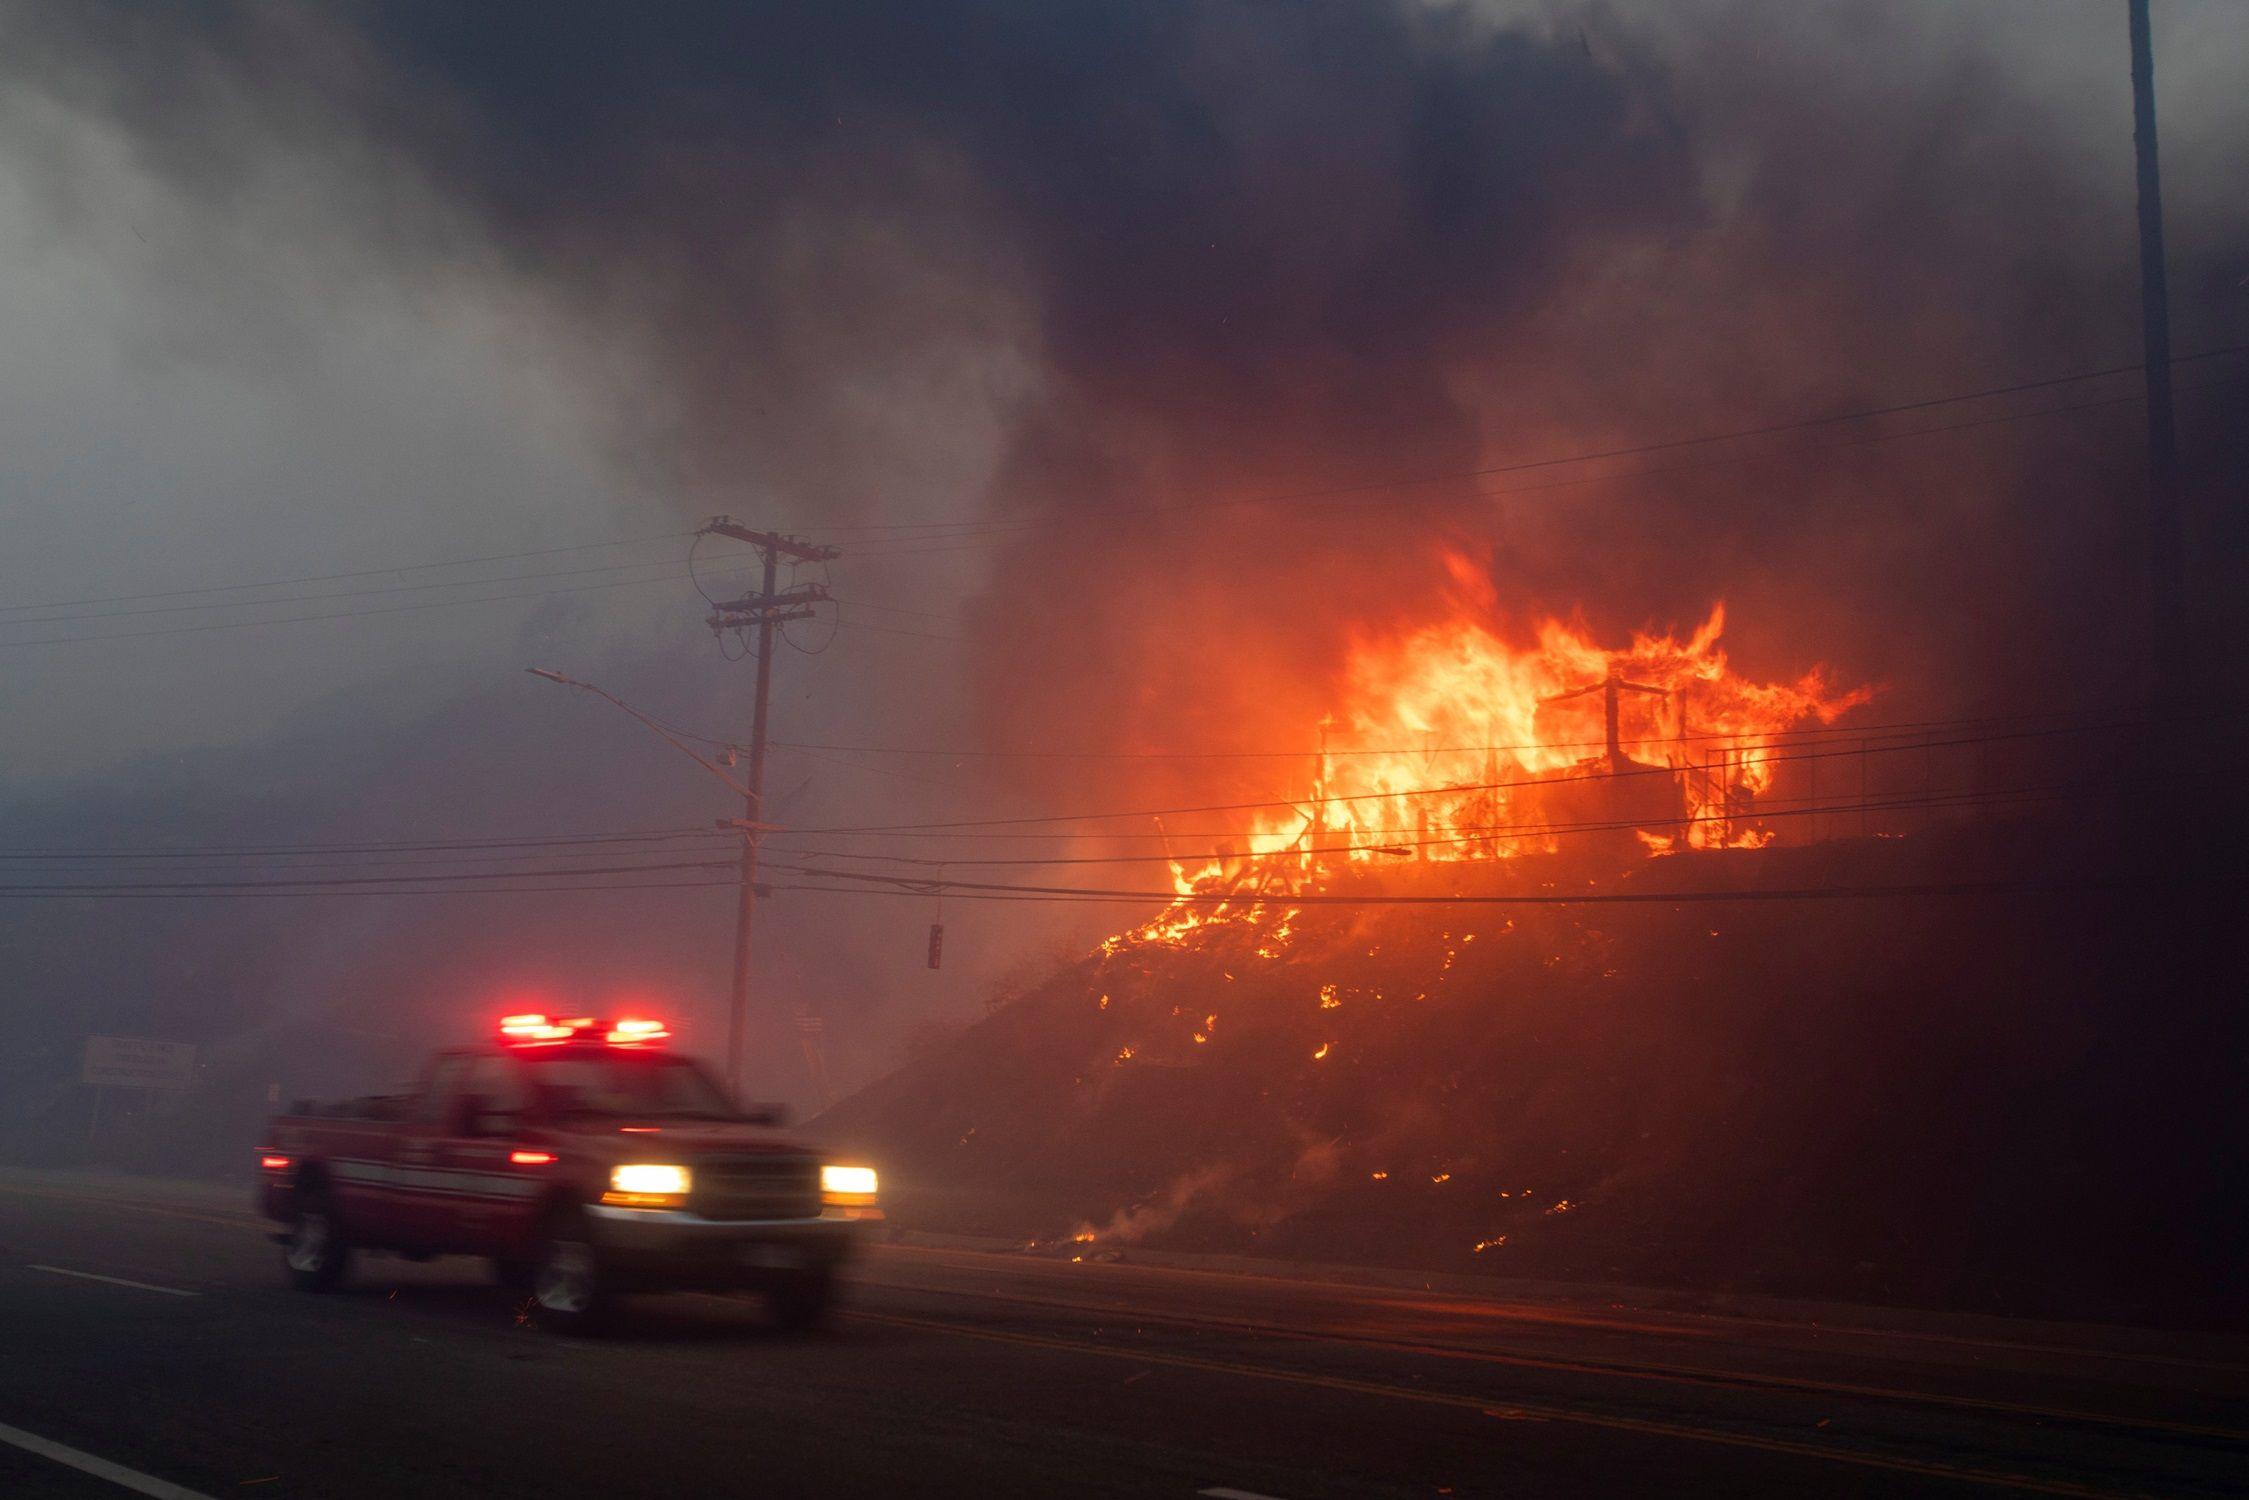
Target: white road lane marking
(100, 1468)
(146, 1286)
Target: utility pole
(2166, 545)
(768, 609)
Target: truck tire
(567, 1287)
(317, 1253)
(802, 1299)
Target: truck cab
(584, 1159)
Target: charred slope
(2016, 1102)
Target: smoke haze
(1140, 359)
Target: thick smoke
(1059, 267)
(1200, 316)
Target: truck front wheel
(317, 1253)
(566, 1279)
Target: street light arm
(668, 737)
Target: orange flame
(1453, 745)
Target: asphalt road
(193, 1371)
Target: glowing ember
(1322, 1052)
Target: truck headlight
(647, 1185)
(851, 1187)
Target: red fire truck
(584, 1159)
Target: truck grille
(773, 1186)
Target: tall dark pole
(753, 811)
(768, 609)
(2166, 546)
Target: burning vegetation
(1453, 746)
(1338, 1044)
(1884, 1099)
(1396, 1022)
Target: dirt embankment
(2021, 1101)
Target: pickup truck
(584, 1159)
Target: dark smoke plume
(1196, 314)
(1073, 264)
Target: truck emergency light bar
(540, 1031)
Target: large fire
(1453, 744)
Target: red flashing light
(533, 1030)
(532, 1158)
(536, 1028)
(274, 1163)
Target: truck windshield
(638, 1086)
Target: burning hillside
(1896, 1099)
(1500, 992)
(1453, 745)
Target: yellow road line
(1676, 1374)
(1684, 1323)
(1677, 1430)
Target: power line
(329, 882)
(1468, 833)
(511, 864)
(1308, 750)
(675, 834)
(100, 893)
(970, 540)
(900, 609)
(968, 528)
(367, 847)
(923, 635)
(974, 891)
(401, 588)
(968, 534)
(1465, 833)
(566, 845)
(889, 883)
(347, 614)
(1461, 789)
(386, 856)
(1070, 895)
(458, 562)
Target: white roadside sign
(138, 1063)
